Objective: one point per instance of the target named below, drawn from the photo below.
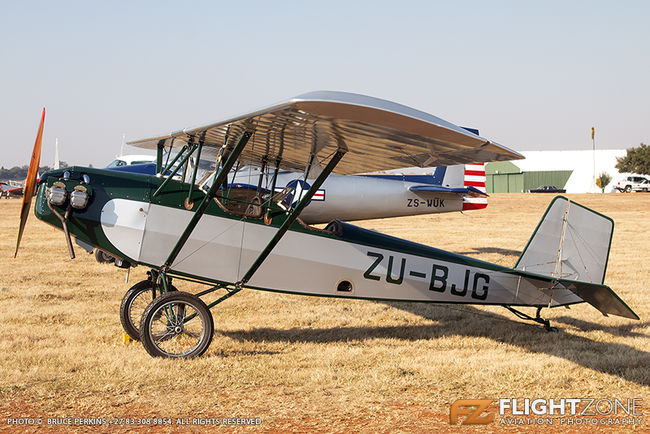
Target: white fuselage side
(223, 249)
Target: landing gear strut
(136, 300)
(537, 318)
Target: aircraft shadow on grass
(498, 250)
(453, 321)
(628, 330)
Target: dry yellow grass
(304, 363)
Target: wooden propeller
(30, 181)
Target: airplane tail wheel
(176, 325)
(135, 301)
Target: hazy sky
(529, 75)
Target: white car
(643, 186)
(633, 183)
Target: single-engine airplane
(232, 238)
(10, 190)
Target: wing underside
(376, 134)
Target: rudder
(570, 242)
(474, 176)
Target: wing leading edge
(377, 135)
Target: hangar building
(570, 170)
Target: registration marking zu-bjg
(474, 284)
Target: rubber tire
(125, 315)
(628, 189)
(103, 257)
(186, 297)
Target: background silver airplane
(373, 196)
(361, 197)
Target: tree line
(19, 173)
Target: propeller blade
(30, 181)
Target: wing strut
(188, 202)
(159, 155)
(234, 155)
(192, 147)
(291, 218)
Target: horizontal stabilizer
(602, 298)
(465, 191)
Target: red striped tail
(475, 177)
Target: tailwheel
(176, 325)
(538, 319)
(134, 303)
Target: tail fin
(467, 175)
(474, 176)
(571, 245)
(570, 242)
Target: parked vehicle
(643, 186)
(632, 183)
(547, 189)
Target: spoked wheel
(175, 325)
(135, 301)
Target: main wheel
(135, 301)
(176, 325)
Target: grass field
(315, 364)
